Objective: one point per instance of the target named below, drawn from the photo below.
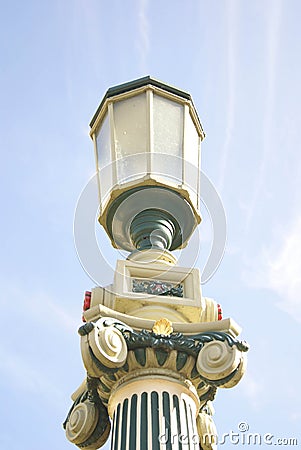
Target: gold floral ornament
(162, 327)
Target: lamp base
(153, 255)
(150, 217)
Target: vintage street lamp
(147, 138)
(155, 350)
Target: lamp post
(155, 350)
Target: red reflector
(219, 312)
(87, 303)
(87, 300)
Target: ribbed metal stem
(153, 228)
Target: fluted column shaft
(154, 414)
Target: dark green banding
(177, 408)
(143, 422)
(140, 356)
(166, 414)
(194, 373)
(188, 440)
(155, 420)
(124, 424)
(161, 356)
(104, 387)
(116, 427)
(181, 360)
(133, 422)
(194, 445)
(209, 395)
(112, 376)
(113, 431)
(201, 385)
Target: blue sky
(241, 62)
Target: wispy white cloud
(37, 323)
(273, 36)
(232, 27)
(278, 268)
(252, 389)
(295, 416)
(18, 372)
(144, 39)
(32, 306)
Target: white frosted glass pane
(191, 170)
(167, 168)
(103, 141)
(131, 136)
(168, 136)
(131, 167)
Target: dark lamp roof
(135, 84)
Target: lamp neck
(153, 229)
